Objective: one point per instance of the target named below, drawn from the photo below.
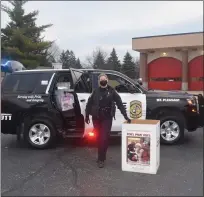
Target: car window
(77, 75)
(20, 83)
(120, 84)
(42, 83)
(64, 81)
(83, 84)
(26, 83)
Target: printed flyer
(67, 101)
(138, 149)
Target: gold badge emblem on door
(135, 109)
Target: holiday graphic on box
(138, 149)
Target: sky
(84, 26)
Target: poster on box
(67, 101)
(138, 149)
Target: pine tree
(78, 64)
(113, 62)
(137, 68)
(99, 61)
(21, 38)
(128, 67)
(68, 60)
(72, 59)
(64, 59)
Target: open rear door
(76, 74)
(83, 87)
(67, 104)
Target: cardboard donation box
(141, 146)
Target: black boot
(101, 164)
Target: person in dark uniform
(101, 106)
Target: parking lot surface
(70, 170)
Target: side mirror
(139, 81)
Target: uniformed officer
(101, 106)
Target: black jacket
(92, 107)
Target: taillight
(91, 134)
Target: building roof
(181, 41)
(178, 34)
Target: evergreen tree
(96, 60)
(68, 60)
(78, 64)
(137, 69)
(72, 59)
(113, 62)
(64, 59)
(99, 61)
(21, 38)
(128, 67)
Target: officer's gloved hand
(128, 120)
(87, 120)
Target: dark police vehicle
(41, 105)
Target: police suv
(41, 105)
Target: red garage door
(196, 74)
(165, 73)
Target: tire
(176, 119)
(42, 124)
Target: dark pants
(103, 128)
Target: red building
(171, 62)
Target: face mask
(103, 83)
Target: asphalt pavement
(70, 170)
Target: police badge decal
(135, 109)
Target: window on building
(166, 79)
(197, 79)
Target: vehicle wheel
(40, 133)
(171, 128)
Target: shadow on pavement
(114, 141)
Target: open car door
(83, 89)
(67, 104)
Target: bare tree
(54, 52)
(88, 62)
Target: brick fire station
(171, 62)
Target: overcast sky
(85, 26)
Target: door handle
(82, 100)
